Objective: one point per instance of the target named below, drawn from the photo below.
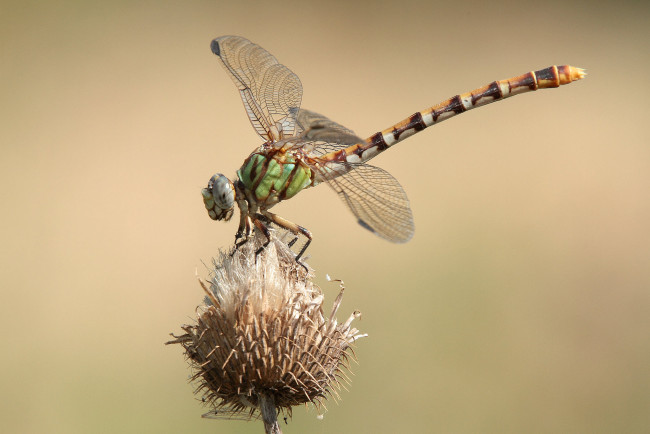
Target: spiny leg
(294, 228)
(265, 230)
(243, 233)
(303, 250)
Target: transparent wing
(374, 197)
(315, 126)
(270, 91)
(231, 414)
(318, 135)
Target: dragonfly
(302, 149)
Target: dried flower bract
(262, 336)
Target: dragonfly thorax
(268, 178)
(219, 197)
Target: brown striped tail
(553, 76)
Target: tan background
(521, 305)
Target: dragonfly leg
(243, 233)
(294, 228)
(259, 224)
(303, 250)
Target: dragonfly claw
(261, 249)
(292, 242)
(240, 240)
(302, 265)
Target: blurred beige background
(521, 305)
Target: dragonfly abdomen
(274, 178)
(553, 76)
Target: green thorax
(274, 178)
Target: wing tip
(398, 238)
(366, 226)
(214, 46)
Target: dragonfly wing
(318, 135)
(374, 197)
(270, 91)
(314, 126)
(231, 414)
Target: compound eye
(222, 191)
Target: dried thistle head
(261, 337)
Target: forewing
(270, 91)
(374, 197)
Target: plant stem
(269, 413)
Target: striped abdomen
(553, 76)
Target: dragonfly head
(219, 197)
